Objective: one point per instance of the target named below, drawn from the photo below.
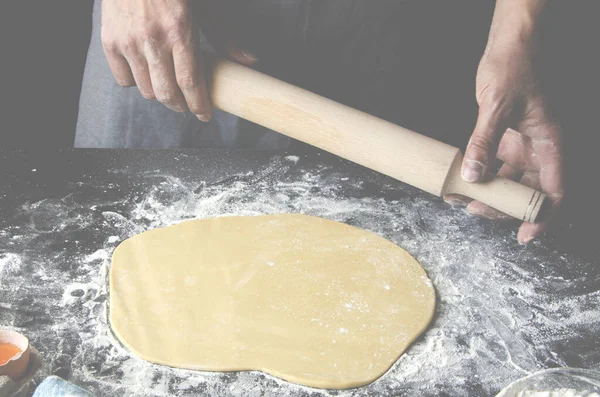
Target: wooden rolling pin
(412, 158)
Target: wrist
(515, 24)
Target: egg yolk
(8, 351)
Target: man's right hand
(154, 44)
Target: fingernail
(475, 211)
(203, 117)
(249, 55)
(472, 171)
(455, 203)
(176, 108)
(482, 212)
(526, 240)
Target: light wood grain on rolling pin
(405, 155)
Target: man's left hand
(515, 127)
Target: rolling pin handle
(505, 195)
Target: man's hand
(154, 44)
(513, 126)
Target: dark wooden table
(504, 310)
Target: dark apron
(412, 62)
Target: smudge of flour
(8, 263)
(504, 311)
(557, 393)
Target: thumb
(482, 147)
(221, 24)
(243, 56)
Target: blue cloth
(54, 386)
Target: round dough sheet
(306, 299)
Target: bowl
(556, 382)
(16, 366)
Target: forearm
(515, 22)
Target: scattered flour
(557, 393)
(8, 263)
(504, 311)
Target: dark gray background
(44, 46)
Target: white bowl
(556, 382)
(16, 366)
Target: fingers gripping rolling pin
(412, 158)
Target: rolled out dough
(306, 299)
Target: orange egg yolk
(8, 351)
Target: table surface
(504, 310)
